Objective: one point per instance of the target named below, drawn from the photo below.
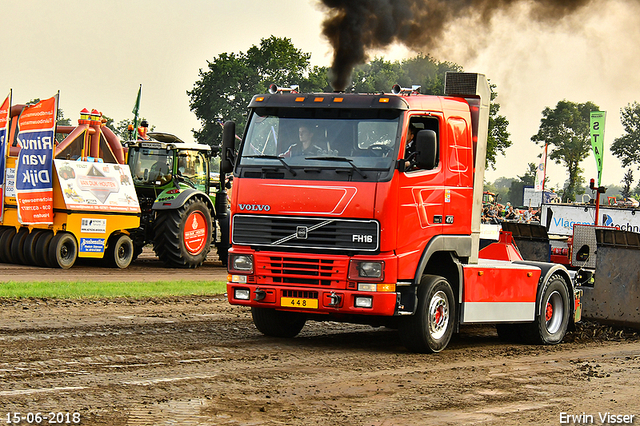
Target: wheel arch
(442, 256)
(184, 196)
(547, 271)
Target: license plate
(296, 302)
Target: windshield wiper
(274, 157)
(345, 159)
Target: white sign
(93, 226)
(102, 187)
(10, 179)
(561, 218)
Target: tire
(431, 328)
(5, 242)
(278, 323)
(5, 246)
(63, 250)
(42, 250)
(29, 248)
(17, 246)
(183, 236)
(554, 310)
(119, 253)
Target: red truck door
(420, 205)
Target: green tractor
(183, 204)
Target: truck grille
(309, 233)
(301, 271)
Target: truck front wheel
(277, 323)
(431, 328)
(183, 236)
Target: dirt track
(200, 361)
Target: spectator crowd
(495, 213)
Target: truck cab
(366, 208)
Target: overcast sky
(97, 54)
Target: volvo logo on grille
(255, 207)
(302, 232)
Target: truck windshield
(150, 165)
(321, 139)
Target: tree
(627, 181)
(498, 139)
(627, 146)
(226, 87)
(224, 90)
(566, 131)
(380, 75)
(516, 191)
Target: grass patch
(83, 289)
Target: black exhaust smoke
(353, 27)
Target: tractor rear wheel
(183, 236)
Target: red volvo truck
(337, 215)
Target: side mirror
(583, 254)
(227, 155)
(426, 149)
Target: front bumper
(313, 300)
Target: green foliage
(498, 139)
(627, 146)
(566, 130)
(627, 181)
(82, 289)
(516, 191)
(223, 91)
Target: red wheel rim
(195, 233)
(549, 313)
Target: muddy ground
(200, 361)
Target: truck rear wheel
(183, 236)
(277, 323)
(554, 311)
(119, 253)
(63, 250)
(431, 328)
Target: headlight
(242, 293)
(241, 262)
(363, 302)
(360, 270)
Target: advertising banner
(34, 184)
(561, 218)
(100, 187)
(4, 136)
(596, 124)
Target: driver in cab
(306, 147)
